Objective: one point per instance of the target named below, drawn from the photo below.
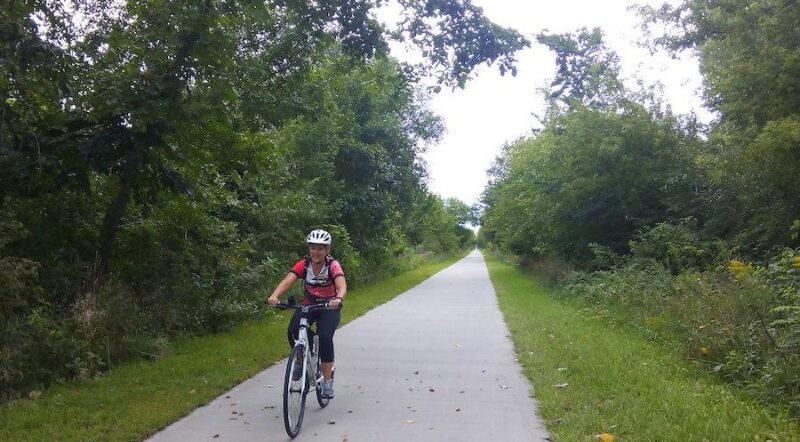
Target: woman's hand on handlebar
(272, 300)
(335, 303)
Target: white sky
(493, 110)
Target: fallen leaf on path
(504, 387)
(458, 409)
(331, 422)
(431, 390)
(410, 421)
(215, 436)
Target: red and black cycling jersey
(318, 286)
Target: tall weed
(739, 320)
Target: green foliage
(748, 54)
(452, 32)
(163, 161)
(589, 177)
(619, 381)
(655, 207)
(434, 228)
(678, 247)
(587, 72)
(738, 321)
(135, 399)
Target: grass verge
(592, 377)
(137, 399)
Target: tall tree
(152, 68)
(589, 177)
(587, 72)
(748, 53)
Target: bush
(678, 247)
(741, 321)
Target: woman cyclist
(323, 281)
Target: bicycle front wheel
(294, 392)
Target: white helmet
(319, 236)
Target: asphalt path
(434, 364)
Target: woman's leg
(294, 328)
(326, 326)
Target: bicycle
(299, 378)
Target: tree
(150, 69)
(456, 37)
(589, 177)
(459, 210)
(587, 71)
(748, 53)
(159, 157)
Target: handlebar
(305, 308)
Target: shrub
(677, 247)
(741, 321)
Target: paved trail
(433, 364)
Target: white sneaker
(327, 389)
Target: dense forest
(162, 162)
(689, 231)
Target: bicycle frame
(308, 358)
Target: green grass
(137, 399)
(619, 382)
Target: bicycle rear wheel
(294, 393)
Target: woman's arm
(341, 291)
(282, 288)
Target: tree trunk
(109, 231)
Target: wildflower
(739, 268)
(796, 262)
(605, 437)
(705, 351)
